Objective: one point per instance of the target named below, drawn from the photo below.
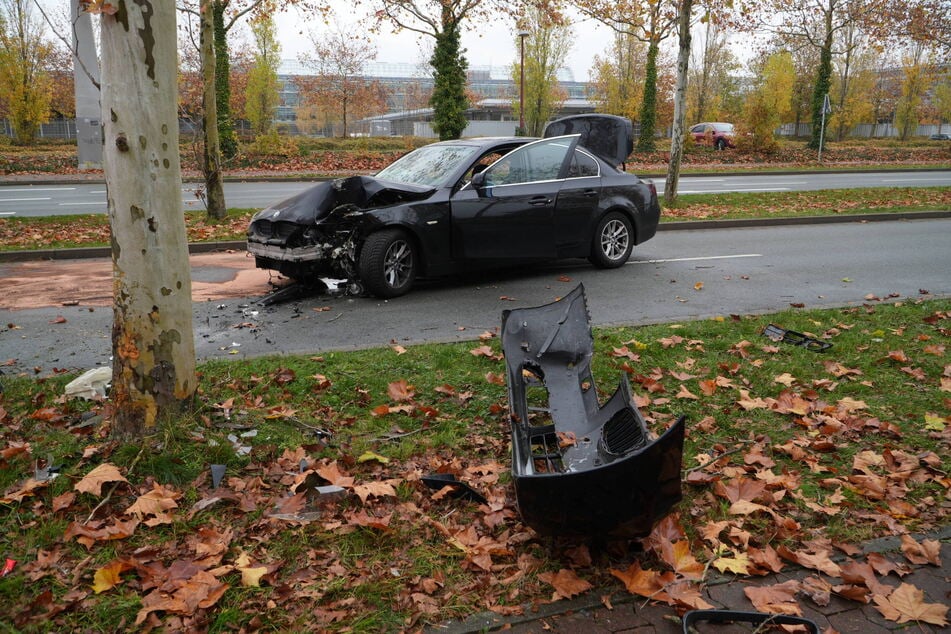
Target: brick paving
(587, 614)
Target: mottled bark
(152, 339)
(680, 105)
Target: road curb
(687, 225)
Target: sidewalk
(630, 613)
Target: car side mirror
(478, 180)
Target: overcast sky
(493, 44)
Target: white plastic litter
(91, 384)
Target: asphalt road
(53, 200)
(742, 271)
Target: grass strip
(26, 233)
(385, 416)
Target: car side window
(583, 165)
(538, 161)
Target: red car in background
(719, 135)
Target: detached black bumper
(580, 468)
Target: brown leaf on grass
(495, 379)
(330, 472)
(925, 552)
(96, 531)
(362, 518)
(646, 583)
(64, 501)
(487, 352)
(376, 489)
(401, 391)
(566, 583)
(108, 576)
(27, 489)
(737, 489)
(775, 599)
(93, 481)
(156, 502)
(907, 603)
(677, 555)
(685, 393)
(747, 402)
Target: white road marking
(101, 202)
(20, 200)
(696, 259)
(37, 189)
(8, 213)
(914, 179)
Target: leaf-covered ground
(300, 155)
(791, 455)
(26, 233)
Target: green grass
(370, 576)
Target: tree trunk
(823, 82)
(211, 165)
(680, 105)
(152, 342)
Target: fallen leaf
(566, 583)
(907, 603)
(776, 599)
(93, 481)
(926, 552)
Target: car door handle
(539, 201)
(590, 193)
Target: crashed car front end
(579, 467)
(318, 232)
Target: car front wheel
(613, 241)
(388, 263)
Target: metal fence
(66, 129)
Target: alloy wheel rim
(398, 264)
(614, 239)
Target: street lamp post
(522, 34)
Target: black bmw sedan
(459, 205)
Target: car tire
(613, 241)
(388, 263)
(721, 144)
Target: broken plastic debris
(758, 619)
(777, 333)
(439, 481)
(8, 567)
(613, 479)
(217, 473)
(49, 472)
(91, 384)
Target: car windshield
(428, 166)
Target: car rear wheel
(388, 263)
(613, 241)
(721, 144)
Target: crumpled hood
(362, 192)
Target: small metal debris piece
(778, 333)
(217, 473)
(439, 481)
(49, 472)
(758, 619)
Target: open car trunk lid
(607, 136)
